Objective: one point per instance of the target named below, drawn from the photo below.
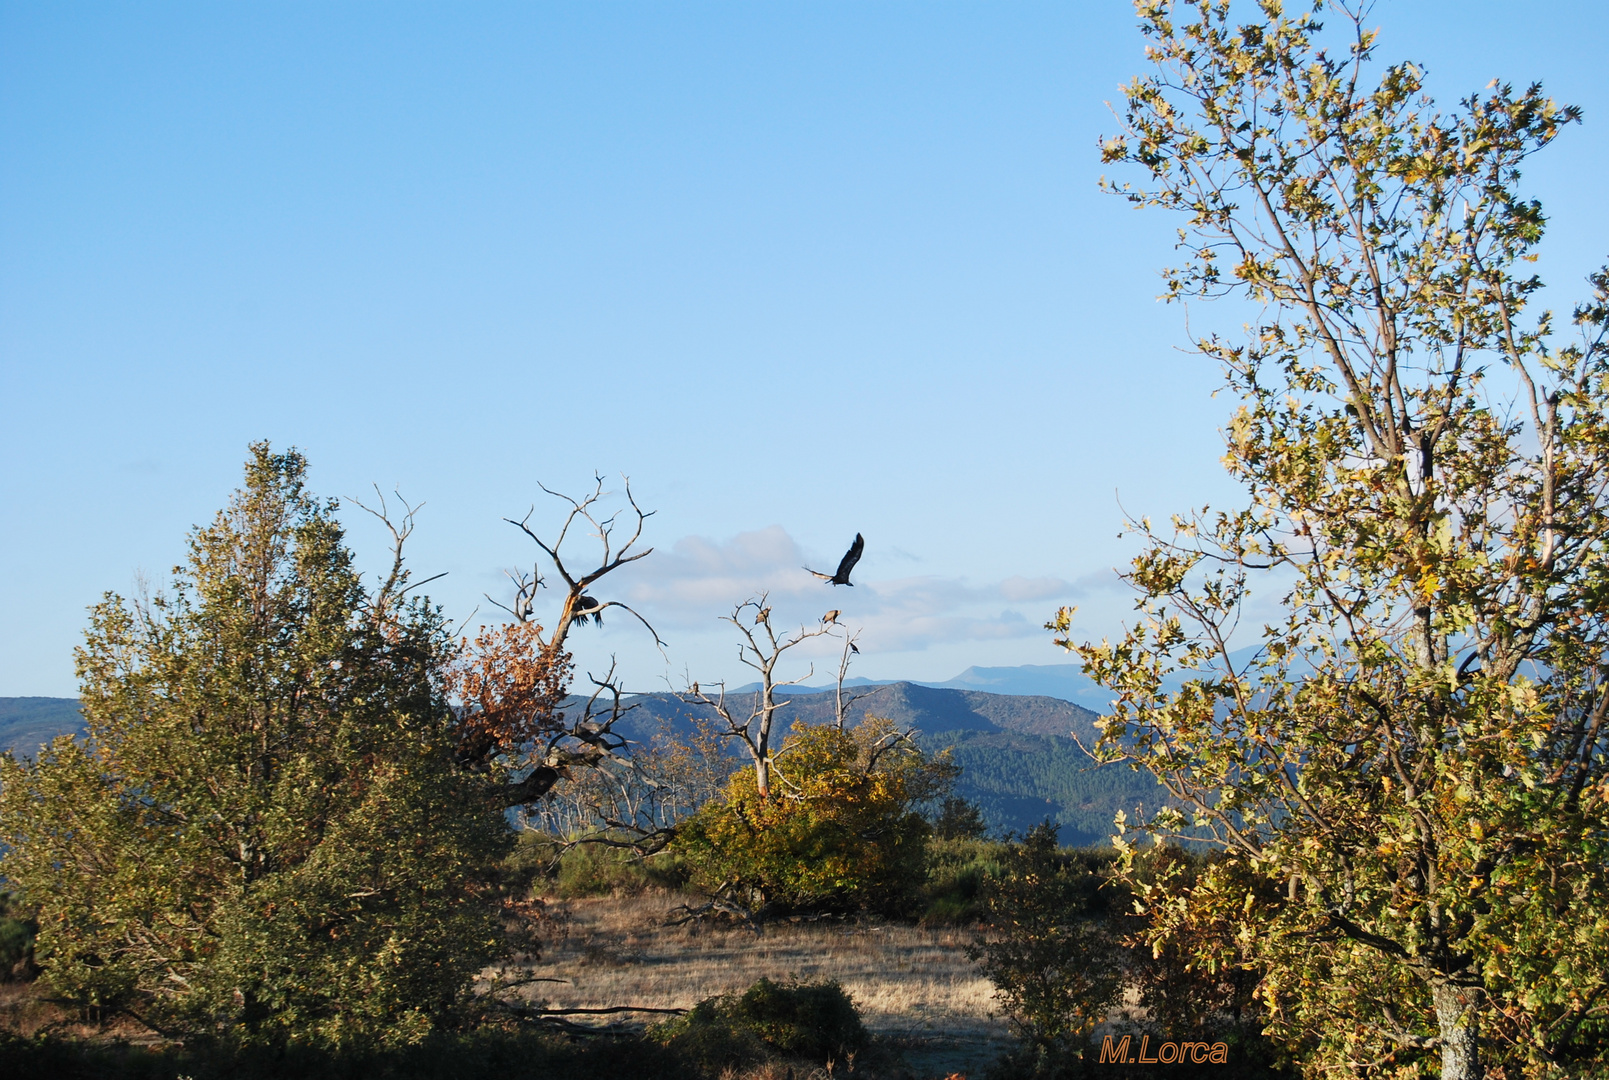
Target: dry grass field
(914, 986)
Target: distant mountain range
(27, 723)
(1020, 760)
(929, 709)
(1014, 732)
(1065, 681)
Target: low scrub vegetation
(814, 1022)
(957, 872)
(567, 870)
(16, 942)
(839, 831)
(1022, 930)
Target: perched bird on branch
(831, 616)
(763, 616)
(585, 606)
(851, 557)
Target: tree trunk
(1457, 1015)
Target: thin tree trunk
(1456, 1015)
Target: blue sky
(800, 270)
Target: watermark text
(1121, 1051)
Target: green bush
(1052, 956)
(16, 938)
(266, 833)
(957, 874)
(597, 870)
(837, 832)
(816, 1021)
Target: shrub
(837, 832)
(817, 1021)
(547, 865)
(598, 870)
(957, 875)
(1052, 958)
(16, 941)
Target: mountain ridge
(28, 723)
(1022, 755)
(929, 709)
(1065, 681)
(23, 720)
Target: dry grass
(914, 986)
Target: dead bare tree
(636, 802)
(395, 586)
(577, 604)
(518, 717)
(841, 704)
(749, 718)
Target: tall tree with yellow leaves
(1408, 776)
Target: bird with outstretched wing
(851, 557)
(585, 607)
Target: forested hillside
(1021, 780)
(27, 723)
(927, 708)
(1018, 759)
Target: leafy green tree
(839, 829)
(264, 835)
(959, 819)
(1409, 778)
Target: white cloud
(697, 580)
(1099, 581)
(1019, 589)
(698, 577)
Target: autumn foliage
(509, 683)
(839, 829)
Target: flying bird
(831, 616)
(851, 557)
